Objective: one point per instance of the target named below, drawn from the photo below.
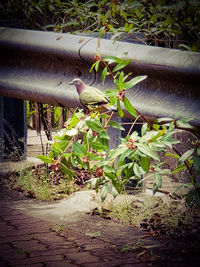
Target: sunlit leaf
(94, 125)
(145, 163)
(111, 93)
(134, 81)
(103, 74)
(122, 65)
(137, 170)
(119, 110)
(185, 156)
(108, 169)
(104, 191)
(147, 151)
(120, 81)
(129, 107)
(98, 146)
(111, 59)
(116, 125)
(144, 129)
(66, 170)
(78, 148)
(97, 66)
(45, 159)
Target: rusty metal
(39, 65)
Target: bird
(91, 97)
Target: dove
(91, 97)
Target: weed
(93, 234)
(128, 247)
(57, 228)
(22, 251)
(40, 183)
(156, 216)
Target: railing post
(13, 130)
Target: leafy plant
(136, 158)
(173, 24)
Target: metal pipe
(39, 65)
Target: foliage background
(173, 24)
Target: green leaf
(137, 170)
(111, 93)
(73, 121)
(93, 65)
(178, 169)
(185, 156)
(129, 107)
(94, 125)
(104, 191)
(121, 65)
(57, 114)
(134, 81)
(78, 149)
(103, 74)
(158, 179)
(164, 120)
(67, 171)
(115, 192)
(145, 163)
(113, 154)
(184, 123)
(116, 125)
(186, 47)
(97, 66)
(108, 169)
(45, 159)
(119, 110)
(147, 151)
(155, 188)
(98, 146)
(103, 134)
(144, 129)
(125, 154)
(120, 82)
(111, 59)
(176, 156)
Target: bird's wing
(92, 96)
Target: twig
(133, 125)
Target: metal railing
(39, 65)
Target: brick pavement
(29, 241)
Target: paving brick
(94, 246)
(49, 252)
(82, 257)
(29, 245)
(34, 228)
(63, 263)
(48, 237)
(27, 265)
(41, 259)
(11, 239)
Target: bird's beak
(71, 83)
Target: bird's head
(79, 84)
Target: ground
(82, 240)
